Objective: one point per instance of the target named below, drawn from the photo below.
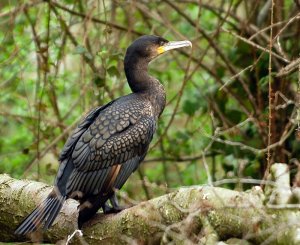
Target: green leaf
(113, 71)
(103, 53)
(100, 82)
(10, 84)
(190, 107)
(264, 84)
(234, 116)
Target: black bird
(109, 143)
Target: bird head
(149, 47)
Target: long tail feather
(44, 214)
(52, 214)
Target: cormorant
(109, 143)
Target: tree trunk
(202, 215)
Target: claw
(116, 208)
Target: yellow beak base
(161, 50)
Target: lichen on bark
(199, 214)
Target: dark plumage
(109, 143)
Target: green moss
(170, 213)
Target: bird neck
(136, 71)
(141, 82)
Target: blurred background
(59, 59)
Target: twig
(216, 48)
(269, 51)
(54, 142)
(87, 59)
(252, 149)
(144, 184)
(291, 67)
(298, 102)
(21, 8)
(233, 77)
(42, 64)
(113, 25)
(267, 170)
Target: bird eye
(161, 43)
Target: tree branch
(195, 214)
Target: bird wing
(66, 164)
(81, 128)
(111, 148)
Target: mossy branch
(196, 214)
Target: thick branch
(196, 214)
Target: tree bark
(191, 215)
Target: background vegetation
(59, 59)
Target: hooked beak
(173, 45)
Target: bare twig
(269, 51)
(291, 67)
(270, 97)
(113, 25)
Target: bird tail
(44, 214)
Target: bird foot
(112, 210)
